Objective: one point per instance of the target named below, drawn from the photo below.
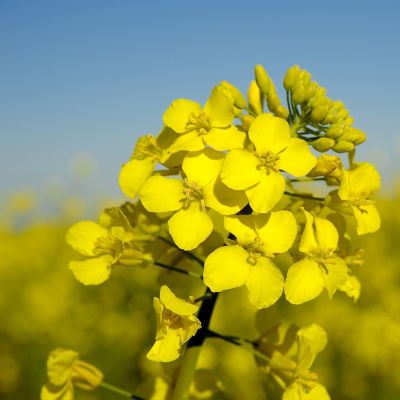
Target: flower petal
(304, 281)
(297, 158)
(190, 141)
(269, 133)
(242, 227)
(277, 231)
(202, 166)
(266, 194)
(239, 170)
(178, 114)
(92, 271)
(335, 275)
(167, 348)
(222, 139)
(83, 236)
(222, 199)
(226, 268)
(175, 304)
(134, 174)
(190, 226)
(265, 283)
(219, 108)
(161, 194)
(326, 234)
(308, 241)
(367, 218)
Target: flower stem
(305, 196)
(176, 269)
(119, 391)
(189, 362)
(188, 253)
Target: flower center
(199, 123)
(323, 256)
(268, 161)
(147, 147)
(169, 318)
(192, 192)
(255, 250)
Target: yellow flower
(248, 261)
(190, 198)
(311, 340)
(321, 267)
(258, 172)
(64, 371)
(199, 127)
(176, 324)
(105, 244)
(148, 152)
(356, 186)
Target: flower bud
(273, 102)
(358, 136)
(299, 94)
(323, 144)
(255, 98)
(328, 166)
(247, 120)
(262, 79)
(291, 78)
(343, 146)
(319, 113)
(281, 112)
(335, 130)
(239, 100)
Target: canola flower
(220, 189)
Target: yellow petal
(202, 166)
(167, 348)
(160, 194)
(178, 113)
(326, 234)
(59, 365)
(133, 174)
(92, 271)
(352, 287)
(219, 108)
(304, 281)
(367, 218)
(222, 139)
(297, 158)
(360, 182)
(269, 134)
(190, 141)
(83, 236)
(175, 304)
(226, 268)
(242, 227)
(222, 199)
(308, 241)
(190, 226)
(266, 194)
(277, 231)
(265, 283)
(239, 170)
(318, 392)
(335, 275)
(65, 392)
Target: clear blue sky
(89, 76)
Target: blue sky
(90, 76)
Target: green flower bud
(323, 144)
(262, 79)
(291, 78)
(343, 146)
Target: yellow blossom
(191, 197)
(248, 260)
(211, 125)
(176, 324)
(320, 267)
(258, 171)
(65, 370)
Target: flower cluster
(223, 185)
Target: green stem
(304, 196)
(306, 179)
(244, 343)
(188, 253)
(176, 269)
(119, 391)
